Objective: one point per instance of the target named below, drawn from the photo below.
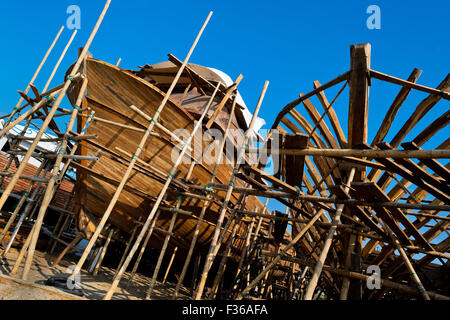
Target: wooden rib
(332, 116)
(430, 163)
(426, 105)
(376, 193)
(395, 107)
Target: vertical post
(359, 98)
(358, 126)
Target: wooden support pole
(63, 54)
(170, 265)
(346, 281)
(72, 244)
(21, 202)
(179, 202)
(222, 103)
(129, 170)
(280, 255)
(326, 247)
(366, 153)
(34, 76)
(411, 270)
(355, 275)
(102, 255)
(50, 191)
(214, 245)
(205, 204)
(125, 252)
(143, 247)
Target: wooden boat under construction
(110, 93)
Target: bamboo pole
(355, 275)
(205, 204)
(326, 247)
(409, 266)
(66, 249)
(19, 119)
(223, 261)
(49, 193)
(346, 281)
(22, 252)
(102, 255)
(63, 54)
(133, 161)
(246, 269)
(20, 204)
(211, 254)
(170, 265)
(59, 228)
(156, 207)
(142, 250)
(127, 246)
(16, 108)
(280, 255)
(24, 215)
(316, 199)
(58, 101)
(418, 154)
(179, 202)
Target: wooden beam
(359, 97)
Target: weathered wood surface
(110, 93)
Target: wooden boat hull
(110, 92)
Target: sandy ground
(94, 288)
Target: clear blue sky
(289, 43)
